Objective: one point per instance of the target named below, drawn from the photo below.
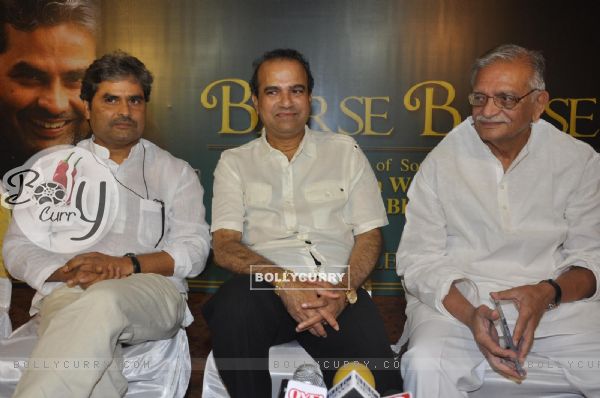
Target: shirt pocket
(258, 195)
(326, 201)
(150, 222)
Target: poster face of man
(40, 80)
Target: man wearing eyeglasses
(505, 208)
(128, 287)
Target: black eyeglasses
(504, 101)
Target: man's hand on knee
(482, 326)
(293, 296)
(329, 305)
(532, 302)
(90, 268)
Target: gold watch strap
(278, 284)
(351, 296)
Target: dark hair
(281, 53)
(513, 52)
(28, 15)
(115, 66)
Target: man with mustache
(129, 287)
(294, 201)
(45, 46)
(506, 207)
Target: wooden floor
(391, 308)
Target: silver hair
(512, 52)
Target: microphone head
(309, 373)
(362, 370)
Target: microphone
(353, 380)
(307, 382)
(309, 373)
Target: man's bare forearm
(237, 257)
(363, 257)
(231, 254)
(576, 284)
(458, 306)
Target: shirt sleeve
(187, 239)
(28, 262)
(422, 258)
(582, 244)
(228, 197)
(364, 210)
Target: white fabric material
(5, 295)
(90, 325)
(156, 369)
(313, 204)
(468, 221)
(443, 361)
(137, 228)
(212, 385)
(540, 383)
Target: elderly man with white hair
(506, 208)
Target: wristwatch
(137, 267)
(286, 276)
(351, 296)
(557, 293)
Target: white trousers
(443, 361)
(81, 332)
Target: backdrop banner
(394, 74)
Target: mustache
(123, 119)
(493, 119)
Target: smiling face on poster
(40, 73)
(45, 47)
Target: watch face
(351, 296)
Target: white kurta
(137, 226)
(469, 220)
(90, 325)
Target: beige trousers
(78, 353)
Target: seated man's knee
(238, 300)
(424, 356)
(103, 297)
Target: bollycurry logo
(64, 199)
